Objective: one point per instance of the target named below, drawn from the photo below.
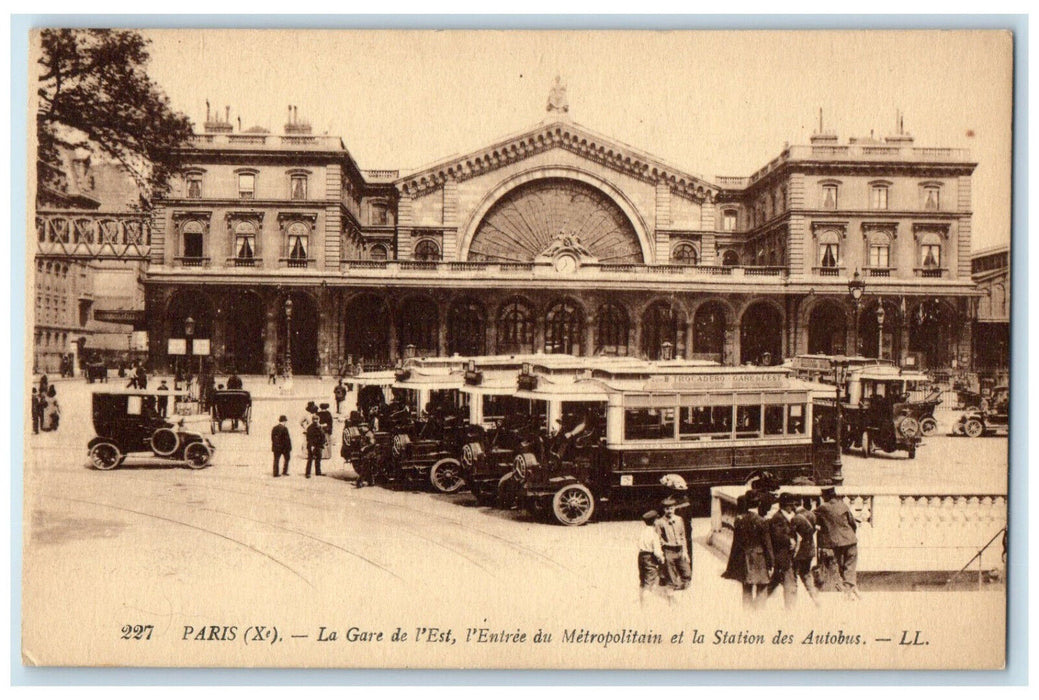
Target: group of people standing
(318, 427)
(796, 543)
(46, 413)
(665, 559)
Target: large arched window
(564, 325)
(427, 250)
(465, 328)
(377, 252)
(663, 323)
(684, 254)
(612, 335)
(515, 328)
(418, 325)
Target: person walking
(37, 411)
(133, 383)
(780, 547)
(679, 490)
(837, 536)
(315, 446)
(748, 560)
(804, 525)
(142, 376)
(163, 402)
(281, 445)
(52, 411)
(673, 542)
(308, 417)
(328, 425)
(44, 385)
(651, 555)
(339, 394)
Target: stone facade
(559, 239)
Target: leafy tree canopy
(94, 92)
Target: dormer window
(878, 196)
(246, 185)
(298, 186)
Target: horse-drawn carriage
(233, 407)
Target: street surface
(161, 543)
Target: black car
(127, 422)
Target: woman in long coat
(748, 560)
(51, 410)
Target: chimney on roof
(822, 137)
(900, 136)
(213, 124)
(294, 125)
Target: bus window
(748, 421)
(774, 419)
(795, 422)
(705, 421)
(649, 424)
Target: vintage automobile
(877, 412)
(617, 436)
(992, 418)
(923, 411)
(128, 421)
(231, 407)
(95, 372)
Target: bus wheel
(573, 505)
(446, 476)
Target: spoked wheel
(928, 426)
(164, 442)
(197, 455)
(105, 456)
(446, 476)
(973, 428)
(573, 505)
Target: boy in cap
(672, 539)
(651, 555)
(837, 535)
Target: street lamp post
(838, 467)
(856, 286)
(288, 340)
(189, 331)
(880, 330)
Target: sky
(711, 102)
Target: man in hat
(339, 394)
(780, 547)
(651, 555)
(37, 411)
(748, 562)
(804, 525)
(328, 425)
(281, 445)
(837, 528)
(671, 529)
(315, 445)
(679, 489)
(164, 400)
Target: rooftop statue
(557, 101)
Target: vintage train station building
(559, 239)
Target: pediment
(562, 134)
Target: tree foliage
(94, 92)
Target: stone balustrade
(900, 530)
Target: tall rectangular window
(246, 186)
(931, 255)
(879, 255)
(729, 221)
(878, 197)
(298, 187)
(829, 254)
(829, 196)
(194, 181)
(931, 198)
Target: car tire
(446, 476)
(164, 442)
(197, 455)
(105, 456)
(973, 428)
(573, 505)
(928, 426)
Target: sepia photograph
(409, 349)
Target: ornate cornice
(570, 137)
(888, 227)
